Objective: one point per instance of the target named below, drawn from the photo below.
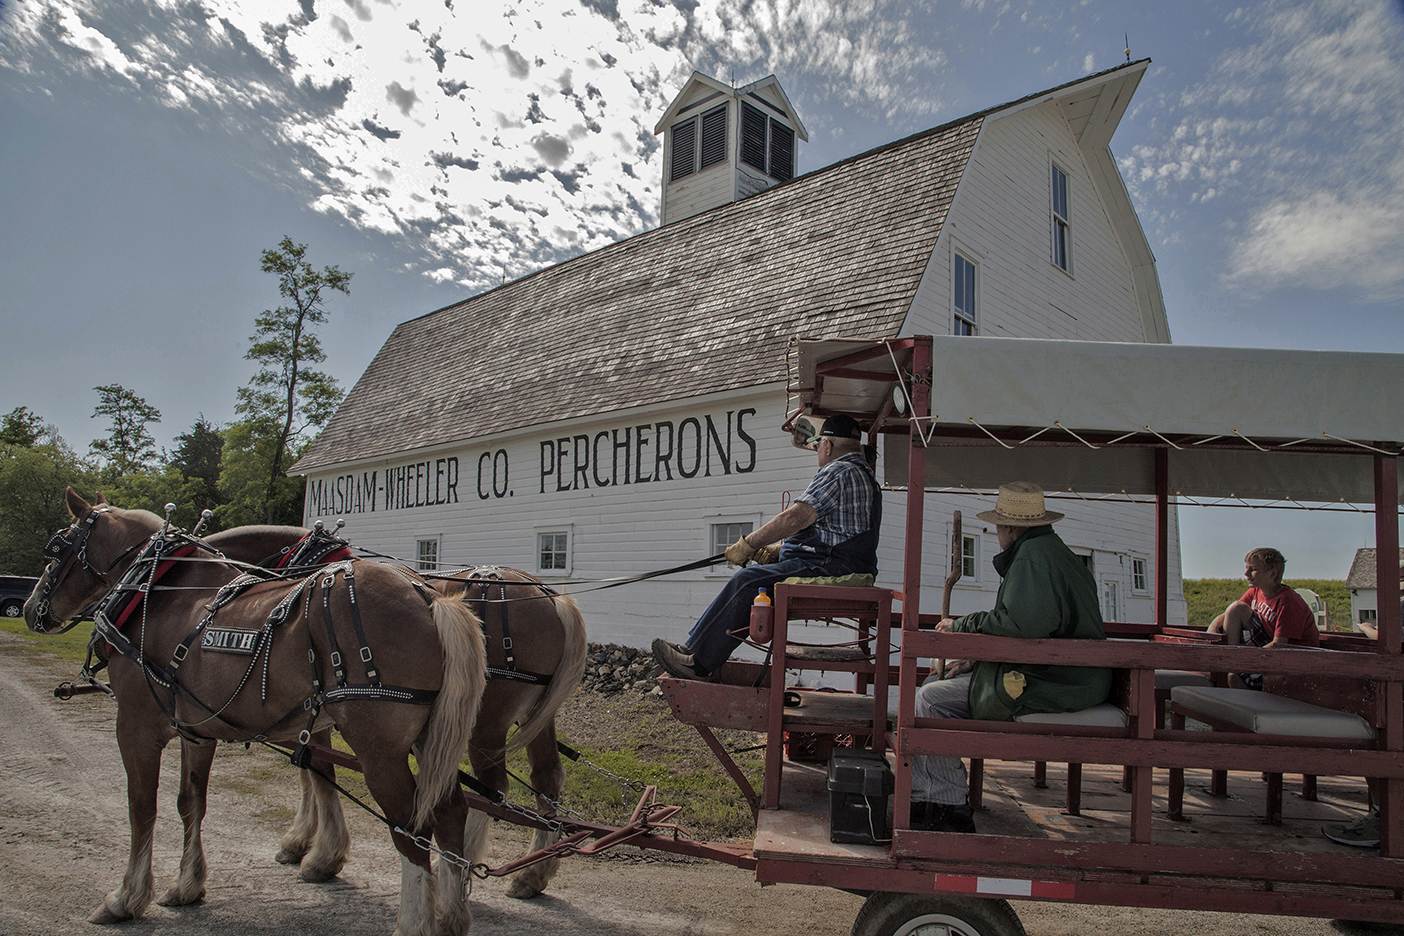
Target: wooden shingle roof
(698, 306)
(1362, 568)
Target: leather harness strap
(481, 579)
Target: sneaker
(1362, 833)
(676, 660)
(942, 817)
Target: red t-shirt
(1285, 614)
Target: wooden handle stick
(953, 576)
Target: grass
(71, 647)
(1208, 597)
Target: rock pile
(610, 668)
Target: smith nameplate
(230, 641)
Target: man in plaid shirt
(831, 529)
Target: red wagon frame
(1134, 872)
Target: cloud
(1089, 63)
(401, 97)
(379, 132)
(1299, 132)
(563, 96)
(555, 150)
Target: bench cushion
(1105, 715)
(851, 580)
(1170, 678)
(1265, 713)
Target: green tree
(248, 450)
(197, 458)
(152, 490)
(287, 397)
(32, 479)
(20, 426)
(128, 447)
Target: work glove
(739, 552)
(767, 554)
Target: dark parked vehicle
(13, 590)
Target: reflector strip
(1005, 887)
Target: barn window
(1138, 575)
(766, 143)
(714, 137)
(426, 554)
(970, 557)
(684, 156)
(553, 551)
(964, 301)
(1062, 232)
(724, 534)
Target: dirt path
(63, 836)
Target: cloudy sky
(151, 148)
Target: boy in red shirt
(1269, 614)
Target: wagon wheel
(886, 914)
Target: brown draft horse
(548, 639)
(427, 646)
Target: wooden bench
(1263, 714)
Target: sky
(152, 148)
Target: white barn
(1364, 601)
(620, 411)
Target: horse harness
(477, 590)
(159, 554)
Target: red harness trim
(135, 601)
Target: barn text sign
(642, 453)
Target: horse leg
(454, 914)
(298, 839)
(548, 777)
(332, 842)
(195, 760)
(390, 781)
(141, 741)
(487, 755)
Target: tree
(21, 427)
(243, 479)
(32, 479)
(128, 447)
(287, 396)
(197, 458)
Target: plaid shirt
(841, 494)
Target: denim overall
(723, 626)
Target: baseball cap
(841, 426)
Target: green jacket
(1046, 592)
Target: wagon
(1148, 425)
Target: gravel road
(64, 840)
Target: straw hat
(1020, 504)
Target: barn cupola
(721, 144)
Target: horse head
(86, 559)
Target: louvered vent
(684, 161)
(752, 136)
(714, 137)
(782, 151)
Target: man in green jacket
(1046, 592)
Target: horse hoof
(104, 914)
(317, 875)
(174, 898)
(289, 856)
(521, 890)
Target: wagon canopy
(1085, 417)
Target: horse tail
(564, 679)
(455, 708)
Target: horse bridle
(67, 548)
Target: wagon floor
(799, 830)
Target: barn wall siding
(999, 218)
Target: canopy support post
(1391, 697)
(1162, 537)
(911, 575)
